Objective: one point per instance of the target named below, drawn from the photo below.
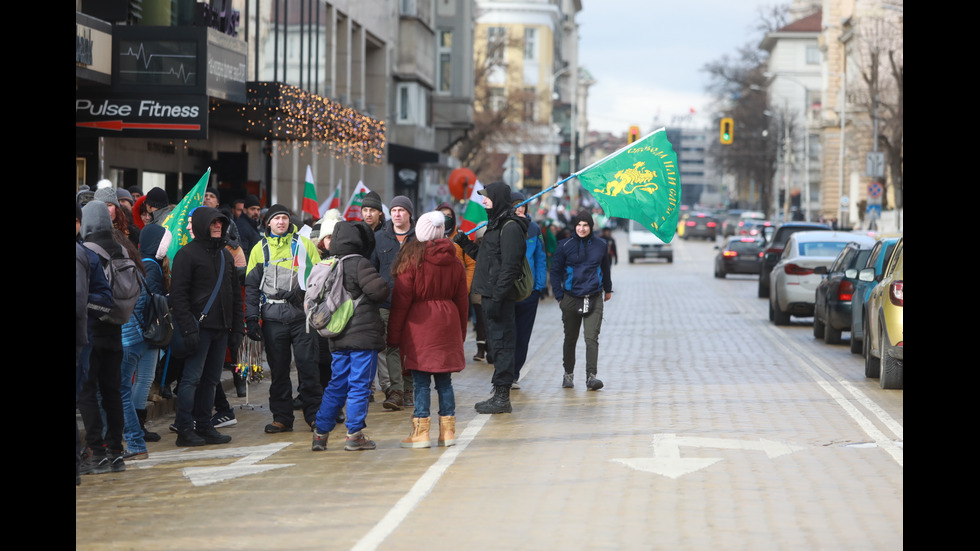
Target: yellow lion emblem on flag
(629, 180)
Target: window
(812, 55)
(530, 44)
(530, 105)
(498, 99)
(496, 40)
(444, 66)
(412, 104)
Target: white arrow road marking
(202, 476)
(667, 460)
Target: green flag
(176, 222)
(640, 182)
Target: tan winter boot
(420, 434)
(447, 431)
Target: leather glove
(192, 341)
(460, 239)
(491, 308)
(253, 330)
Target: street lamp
(806, 142)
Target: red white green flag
(353, 210)
(310, 204)
(332, 202)
(475, 213)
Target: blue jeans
(141, 360)
(444, 390)
(350, 382)
(202, 371)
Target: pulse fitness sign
(169, 116)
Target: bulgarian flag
(353, 210)
(176, 222)
(302, 261)
(475, 214)
(333, 202)
(310, 205)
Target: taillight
(729, 254)
(795, 269)
(845, 291)
(691, 223)
(711, 224)
(895, 293)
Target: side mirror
(867, 274)
(850, 273)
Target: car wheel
(631, 260)
(855, 344)
(872, 365)
(832, 335)
(819, 328)
(892, 371)
(778, 316)
(670, 259)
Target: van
(645, 244)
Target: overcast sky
(646, 56)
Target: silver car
(792, 281)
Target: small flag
(640, 182)
(475, 213)
(176, 222)
(302, 264)
(332, 202)
(353, 210)
(310, 205)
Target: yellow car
(884, 344)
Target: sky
(646, 56)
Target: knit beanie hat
(276, 210)
(583, 216)
(107, 195)
(252, 201)
(121, 193)
(373, 200)
(325, 226)
(157, 198)
(403, 202)
(516, 197)
(431, 225)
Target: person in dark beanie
(372, 211)
(499, 259)
(158, 205)
(248, 224)
(581, 281)
(388, 241)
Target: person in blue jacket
(526, 310)
(581, 281)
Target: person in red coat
(429, 308)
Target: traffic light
(634, 134)
(726, 130)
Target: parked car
(739, 255)
(835, 292)
(774, 248)
(645, 244)
(754, 228)
(868, 275)
(793, 282)
(884, 341)
(701, 224)
(729, 222)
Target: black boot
(498, 403)
(147, 435)
(481, 351)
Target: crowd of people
(416, 280)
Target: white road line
(421, 488)
(866, 425)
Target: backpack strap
(217, 286)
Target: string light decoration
(295, 117)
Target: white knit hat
(431, 225)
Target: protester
(429, 305)
(581, 282)
(389, 239)
(203, 269)
(499, 259)
(321, 235)
(355, 349)
(526, 310)
(248, 224)
(274, 295)
(157, 205)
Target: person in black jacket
(499, 259)
(206, 332)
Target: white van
(645, 244)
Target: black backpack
(125, 282)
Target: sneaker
(320, 440)
(174, 429)
(515, 386)
(116, 462)
(189, 439)
(212, 436)
(566, 381)
(94, 463)
(277, 427)
(359, 441)
(135, 456)
(592, 383)
(224, 420)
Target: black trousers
(502, 340)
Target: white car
(792, 282)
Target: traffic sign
(874, 190)
(874, 165)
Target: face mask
(450, 224)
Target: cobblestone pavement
(715, 430)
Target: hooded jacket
(97, 228)
(429, 308)
(267, 285)
(195, 274)
(385, 250)
(580, 267)
(365, 330)
(500, 255)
